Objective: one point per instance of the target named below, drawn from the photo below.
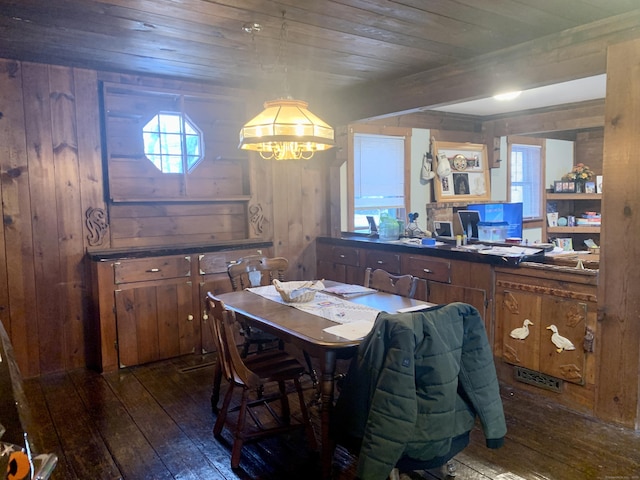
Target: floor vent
(538, 379)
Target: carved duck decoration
(559, 341)
(522, 332)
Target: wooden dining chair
(256, 373)
(403, 285)
(255, 271)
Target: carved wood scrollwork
(571, 372)
(97, 224)
(538, 289)
(576, 314)
(256, 218)
(510, 354)
(511, 303)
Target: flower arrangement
(579, 173)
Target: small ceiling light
(507, 96)
(251, 27)
(286, 129)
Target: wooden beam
(577, 116)
(574, 53)
(618, 393)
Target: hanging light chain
(282, 54)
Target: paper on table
(352, 330)
(348, 290)
(415, 308)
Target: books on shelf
(589, 219)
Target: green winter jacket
(419, 380)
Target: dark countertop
(448, 250)
(142, 252)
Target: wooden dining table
(307, 332)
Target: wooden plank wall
(588, 149)
(51, 174)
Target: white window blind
(378, 171)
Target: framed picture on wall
(462, 172)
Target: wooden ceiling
(330, 45)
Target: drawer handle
(426, 270)
(342, 255)
(153, 270)
(190, 318)
(380, 262)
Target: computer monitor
(502, 212)
(373, 228)
(469, 220)
(443, 229)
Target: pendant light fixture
(286, 129)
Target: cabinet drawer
(217, 262)
(385, 260)
(428, 268)
(155, 268)
(345, 256)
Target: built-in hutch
(150, 302)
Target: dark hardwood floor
(154, 422)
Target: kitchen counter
(144, 252)
(443, 249)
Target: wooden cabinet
(447, 281)
(442, 280)
(505, 296)
(154, 320)
(151, 308)
(573, 204)
(212, 277)
(560, 297)
(339, 263)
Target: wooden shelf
(573, 230)
(574, 196)
(567, 204)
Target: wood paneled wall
(51, 173)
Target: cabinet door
(216, 284)
(538, 351)
(154, 320)
(328, 270)
(438, 292)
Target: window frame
(184, 120)
(530, 141)
(376, 130)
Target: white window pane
(378, 171)
(526, 183)
(168, 147)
